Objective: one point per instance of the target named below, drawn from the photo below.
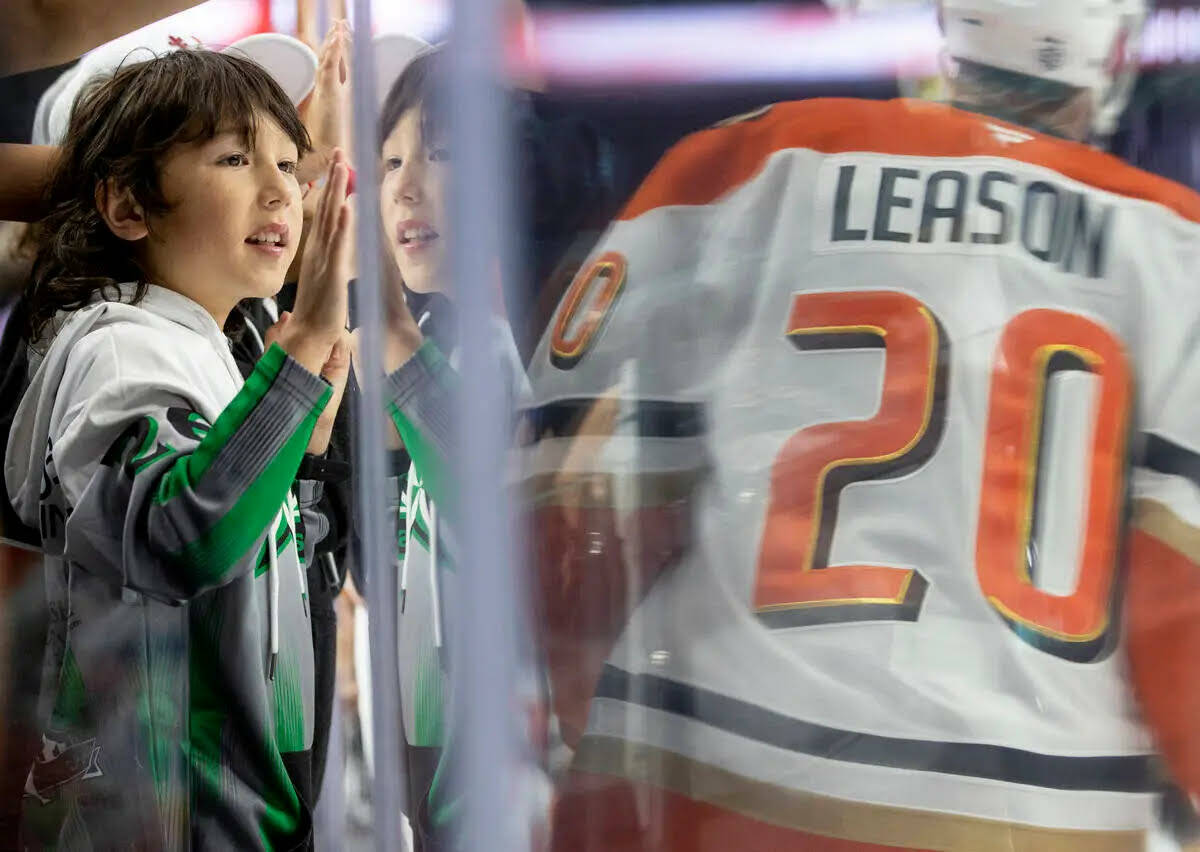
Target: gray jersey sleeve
(176, 505)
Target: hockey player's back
(925, 376)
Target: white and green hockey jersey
(178, 690)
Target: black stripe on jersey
(656, 418)
(1163, 456)
(1119, 774)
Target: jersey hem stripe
(1115, 773)
(802, 812)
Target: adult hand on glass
(327, 111)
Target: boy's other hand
(336, 371)
(322, 298)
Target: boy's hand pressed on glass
(318, 320)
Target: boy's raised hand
(322, 298)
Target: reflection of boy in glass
(420, 347)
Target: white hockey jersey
(936, 379)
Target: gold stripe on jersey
(1157, 519)
(858, 822)
(594, 490)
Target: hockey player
(866, 491)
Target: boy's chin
(266, 289)
(419, 281)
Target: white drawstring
(408, 525)
(258, 338)
(273, 567)
(273, 603)
(433, 576)
(293, 525)
(272, 311)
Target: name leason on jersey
(933, 207)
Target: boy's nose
(409, 183)
(274, 191)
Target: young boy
(178, 693)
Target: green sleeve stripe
(70, 705)
(435, 478)
(231, 537)
(189, 469)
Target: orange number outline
(566, 352)
(1076, 627)
(812, 468)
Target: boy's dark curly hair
(121, 128)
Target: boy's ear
(120, 211)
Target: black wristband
(322, 469)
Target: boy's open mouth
(412, 233)
(271, 236)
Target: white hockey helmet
(1089, 44)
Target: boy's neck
(218, 309)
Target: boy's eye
(439, 155)
(391, 164)
(235, 160)
(288, 167)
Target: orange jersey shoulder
(707, 165)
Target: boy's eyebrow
(239, 135)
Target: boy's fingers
(276, 329)
(321, 216)
(327, 206)
(345, 232)
(345, 56)
(338, 363)
(341, 177)
(337, 194)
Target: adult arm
(24, 174)
(43, 33)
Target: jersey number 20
(795, 583)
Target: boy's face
(412, 204)
(235, 218)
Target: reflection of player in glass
(835, 442)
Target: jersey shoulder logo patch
(1008, 135)
(744, 117)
